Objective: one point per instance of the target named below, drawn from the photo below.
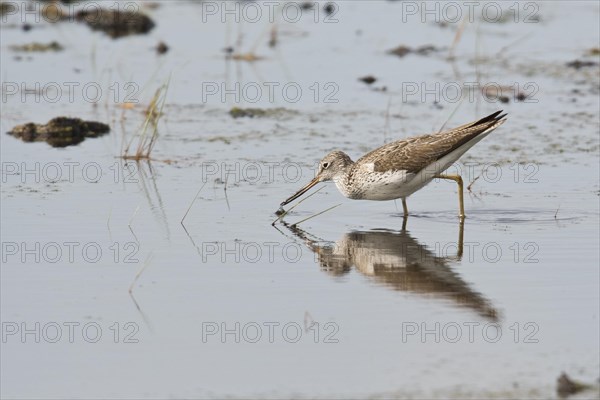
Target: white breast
(370, 185)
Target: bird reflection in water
(397, 260)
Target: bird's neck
(342, 180)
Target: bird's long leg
(405, 218)
(404, 207)
(459, 181)
(461, 235)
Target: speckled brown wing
(414, 154)
(409, 155)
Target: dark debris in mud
(329, 8)
(114, 23)
(424, 50)
(369, 79)
(162, 48)
(60, 131)
(578, 64)
(503, 94)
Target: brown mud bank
(60, 131)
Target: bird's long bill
(301, 191)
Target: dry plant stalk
(315, 215)
(147, 140)
(457, 37)
(284, 213)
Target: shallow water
(349, 305)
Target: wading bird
(398, 169)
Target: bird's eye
(325, 164)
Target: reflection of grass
(147, 140)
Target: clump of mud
(116, 23)
(578, 64)
(60, 131)
(6, 7)
(402, 50)
(62, 1)
(237, 112)
(37, 47)
(565, 386)
(594, 51)
(504, 94)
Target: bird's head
(331, 167)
